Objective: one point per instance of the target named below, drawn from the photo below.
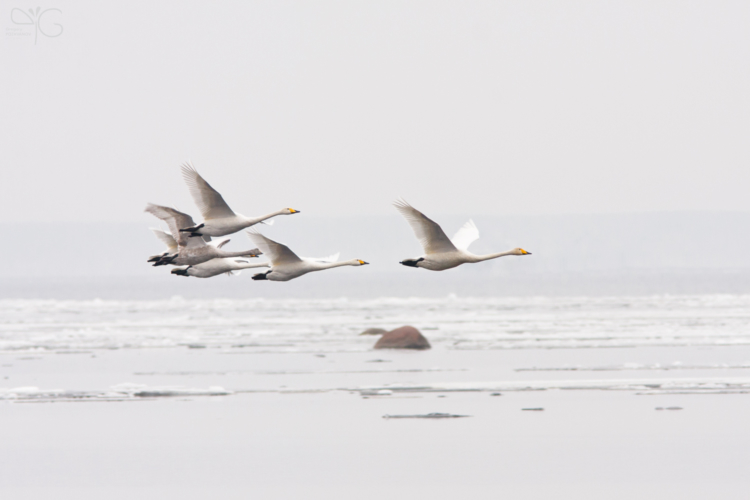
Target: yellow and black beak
(362, 262)
(525, 252)
(293, 211)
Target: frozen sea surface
(283, 399)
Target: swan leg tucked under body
(442, 253)
(219, 219)
(286, 265)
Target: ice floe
(325, 325)
(428, 415)
(639, 366)
(640, 386)
(119, 392)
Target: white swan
(214, 267)
(190, 251)
(442, 253)
(286, 265)
(172, 247)
(207, 269)
(218, 218)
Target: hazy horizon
(571, 255)
(483, 108)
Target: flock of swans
(190, 246)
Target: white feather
(465, 236)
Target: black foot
(261, 276)
(411, 262)
(192, 229)
(182, 272)
(165, 260)
(158, 257)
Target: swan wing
(165, 238)
(465, 236)
(175, 221)
(209, 201)
(278, 253)
(220, 243)
(429, 233)
(323, 260)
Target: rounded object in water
(405, 337)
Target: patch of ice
(651, 386)
(637, 366)
(428, 415)
(119, 392)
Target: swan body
(172, 247)
(214, 267)
(207, 269)
(218, 218)
(286, 265)
(440, 252)
(190, 251)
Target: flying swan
(218, 218)
(190, 251)
(442, 253)
(213, 267)
(286, 265)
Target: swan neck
(329, 265)
(250, 265)
(490, 256)
(255, 220)
(244, 253)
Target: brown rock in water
(374, 331)
(406, 337)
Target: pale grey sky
(339, 107)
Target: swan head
(520, 251)
(360, 262)
(290, 211)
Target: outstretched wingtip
(401, 203)
(189, 173)
(154, 209)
